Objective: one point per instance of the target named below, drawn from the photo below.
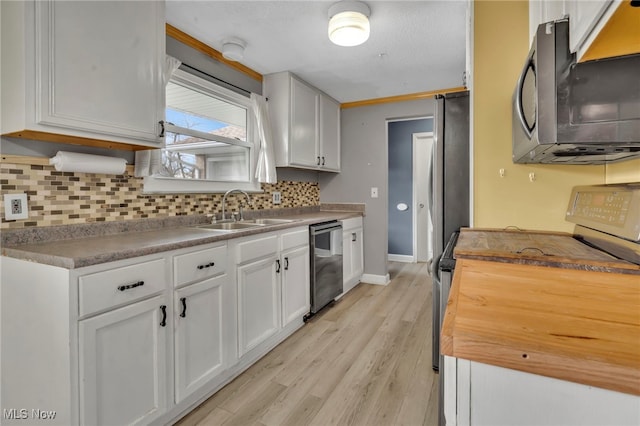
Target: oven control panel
(614, 209)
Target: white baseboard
(375, 279)
(400, 258)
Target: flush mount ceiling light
(233, 49)
(349, 23)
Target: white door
(422, 150)
(199, 314)
(296, 300)
(258, 302)
(304, 125)
(123, 357)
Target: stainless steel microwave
(575, 113)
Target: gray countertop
(130, 241)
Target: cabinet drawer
(295, 238)
(199, 265)
(257, 248)
(354, 222)
(120, 286)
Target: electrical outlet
(15, 206)
(276, 198)
(374, 192)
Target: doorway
(403, 200)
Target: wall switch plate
(374, 192)
(276, 198)
(15, 206)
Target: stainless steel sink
(267, 221)
(243, 224)
(230, 226)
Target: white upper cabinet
(586, 19)
(85, 69)
(329, 134)
(305, 124)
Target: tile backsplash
(63, 198)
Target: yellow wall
(501, 43)
(627, 171)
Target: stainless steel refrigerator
(449, 206)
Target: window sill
(164, 185)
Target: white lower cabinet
(352, 252)
(273, 285)
(143, 340)
(199, 345)
(295, 284)
(482, 394)
(258, 302)
(123, 359)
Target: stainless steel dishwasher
(325, 240)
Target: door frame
(422, 140)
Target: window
(209, 144)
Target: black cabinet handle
(286, 263)
(163, 308)
(277, 266)
(161, 122)
(323, 161)
(206, 265)
(184, 307)
(353, 236)
(318, 162)
(129, 286)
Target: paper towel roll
(88, 163)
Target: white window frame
(171, 185)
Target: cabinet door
(296, 300)
(352, 257)
(347, 261)
(258, 302)
(583, 17)
(200, 319)
(99, 66)
(329, 134)
(123, 357)
(304, 125)
(357, 252)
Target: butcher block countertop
(571, 324)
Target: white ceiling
(415, 46)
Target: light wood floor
(364, 361)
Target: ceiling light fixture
(233, 49)
(349, 23)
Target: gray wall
(401, 182)
(364, 165)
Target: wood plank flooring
(364, 361)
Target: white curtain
(171, 64)
(149, 161)
(266, 166)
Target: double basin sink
(243, 224)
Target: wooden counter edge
(585, 371)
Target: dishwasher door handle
(324, 227)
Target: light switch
(374, 192)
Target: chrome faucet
(224, 202)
